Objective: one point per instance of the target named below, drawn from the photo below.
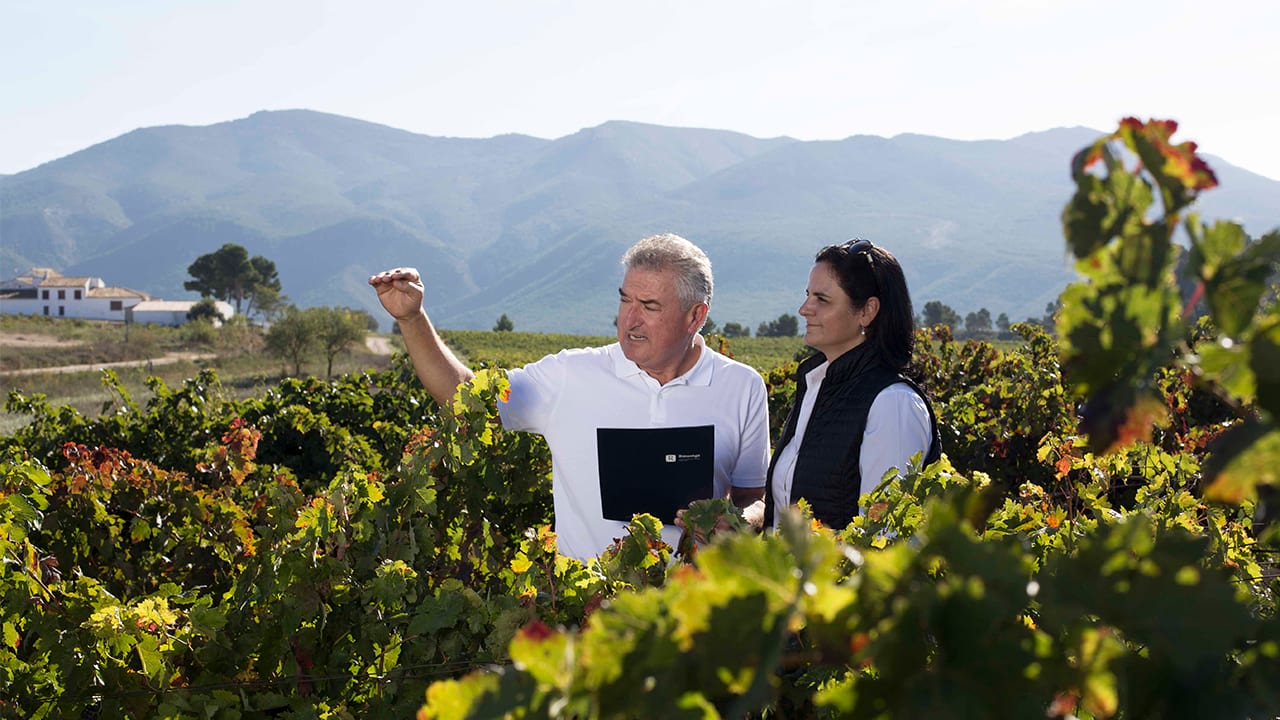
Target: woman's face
(832, 325)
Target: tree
(205, 310)
(292, 337)
(230, 274)
(937, 313)
(785, 326)
(709, 327)
(977, 323)
(1051, 308)
(266, 285)
(504, 324)
(370, 322)
(734, 330)
(335, 330)
(1002, 323)
(268, 302)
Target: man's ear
(699, 315)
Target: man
(658, 374)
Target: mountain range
(534, 228)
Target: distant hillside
(534, 228)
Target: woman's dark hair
(865, 271)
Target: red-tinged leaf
(1063, 466)
(1138, 423)
(536, 631)
(1063, 705)
(686, 573)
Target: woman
(855, 414)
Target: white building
(43, 291)
(170, 312)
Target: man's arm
(439, 370)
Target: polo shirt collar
(699, 374)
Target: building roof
(60, 281)
(116, 292)
(36, 274)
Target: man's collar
(699, 374)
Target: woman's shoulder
(901, 395)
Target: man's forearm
(437, 367)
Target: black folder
(654, 470)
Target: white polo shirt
(565, 397)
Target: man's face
(655, 332)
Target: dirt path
(169, 358)
(378, 345)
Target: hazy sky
(78, 72)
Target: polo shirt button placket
(657, 408)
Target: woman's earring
(862, 330)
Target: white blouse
(897, 428)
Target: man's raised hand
(399, 291)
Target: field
(509, 349)
(64, 359)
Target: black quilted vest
(827, 474)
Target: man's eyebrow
(643, 301)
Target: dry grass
(234, 352)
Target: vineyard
(1100, 540)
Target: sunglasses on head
(856, 245)
(859, 245)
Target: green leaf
(454, 699)
(1227, 364)
(20, 511)
(140, 529)
(1264, 360)
(1240, 459)
(205, 619)
(1234, 272)
(545, 654)
(148, 649)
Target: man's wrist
(420, 315)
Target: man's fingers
(401, 274)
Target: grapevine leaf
(1264, 360)
(1234, 271)
(545, 654)
(1228, 364)
(1241, 459)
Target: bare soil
(33, 340)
